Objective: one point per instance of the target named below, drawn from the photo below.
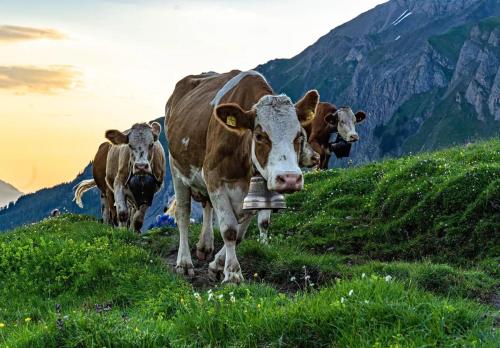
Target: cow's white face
(277, 136)
(276, 143)
(345, 120)
(140, 141)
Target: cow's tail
(81, 188)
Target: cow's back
(187, 115)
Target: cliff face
(426, 71)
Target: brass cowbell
(260, 198)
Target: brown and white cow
(328, 120)
(222, 129)
(135, 152)
(331, 120)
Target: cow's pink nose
(354, 137)
(142, 167)
(286, 183)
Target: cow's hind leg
(263, 220)
(205, 245)
(184, 263)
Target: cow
(135, 153)
(331, 120)
(328, 120)
(223, 129)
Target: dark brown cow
(223, 129)
(135, 152)
(329, 120)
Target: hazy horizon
(70, 70)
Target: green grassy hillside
(402, 253)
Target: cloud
(13, 33)
(25, 79)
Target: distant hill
(8, 193)
(427, 72)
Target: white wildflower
(220, 296)
(307, 277)
(366, 301)
(210, 296)
(342, 300)
(293, 279)
(351, 292)
(197, 296)
(388, 278)
(232, 299)
(363, 275)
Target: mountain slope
(8, 193)
(427, 72)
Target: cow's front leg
(263, 220)
(229, 231)
(205, 245)
(120, 204)
(138, 218)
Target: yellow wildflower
(2, 325)
(28, 319)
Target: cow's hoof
(262, 239)
(233, 277)
(204, 254)
(185, 270)
(215, 271)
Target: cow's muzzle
(288, 182)
(142, 168)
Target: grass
(402, 253)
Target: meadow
(398, 253)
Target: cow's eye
(259, 137)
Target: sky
(70, 70)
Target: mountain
(36, 206)
(8, 193)
(426, 71)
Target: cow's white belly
(195, 180)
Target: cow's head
(140, 140)
(344, 121)
(308, 157)
(276, 125)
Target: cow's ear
(306, 107)
(156, 127)
(332, 119)
(234, 117)
(360, 116)
(116, 137)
